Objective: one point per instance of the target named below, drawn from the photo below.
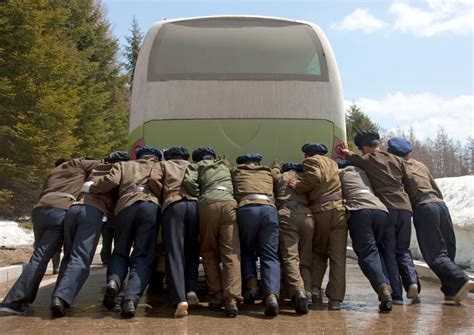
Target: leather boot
(252, 291)
(317, 297)
(231, 309)
(58, 307)
(110, 294)
(384, 291)
(128, 309)
(271, 305)
(300, 302)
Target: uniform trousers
(82, 227)
(296, 235)
(107, 240)
(48, 232)
(135, 225)
(330, 242)
(220, 242)
(373, 242)
(259, 237)
(181, 243)
(435, 234)
(401, 219)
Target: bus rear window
(236, 49)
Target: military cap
(314, 149)
(399, 146)
(200, 153)
(176, 151)
(147, 150)
(292, 167)
(366, 137)
(247, 158)
(117, 156)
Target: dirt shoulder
(15, 255)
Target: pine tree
(134, 42)
(357, 121)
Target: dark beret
(399, 146)
(176, 151)
(199, 153)
(117, 156)
(314, 149)
(342, 163)
(147, 150)
(366, 137)
(247, 158)
(292, 167)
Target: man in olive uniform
(209, 179)
(434, 228)
(61, 189)
(367, 226)
(82, 227)
(257, 218)
(321, 180)
(385, 172)
(296, 234)
(180, 231)
(135, 224)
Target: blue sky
(406, 63)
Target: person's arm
(190, 181)
(105, 183)
(311, 177)
(155, 182)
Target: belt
(218, 188)
(427, 197)
(133, 189)
(256, 197)
(294, 203)
(325, 198)
(61, 194)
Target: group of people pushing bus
(292, 217)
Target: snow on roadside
(458, 193)
(12, 236)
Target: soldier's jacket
(172, 179)
(252, 179)
(201, 179)
(104, 202)
(357, 191)
(420, 184)
(131, 177)
(320, 179)
(284, 193)
(63, 184)
(385, 172)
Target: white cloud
(441, 16)
(431, 18)
(360, 19)
(424, 112)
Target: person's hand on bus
(343, 149)
(276, 164)
(292, 183)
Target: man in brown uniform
(367, 226)
(257, 218)
(82, 227)
(180, 231)
(434, 228)
(296, 234)
(321, 180)
(61, 189)
(210, 179)
(385, 172)
(135, 224)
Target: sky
(405, 63)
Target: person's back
(419, 183)
(215, 181)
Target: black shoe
(271, 305)
(12, 308)
(128, 309)
(58, 307)
(110, 294)
(231, 309)
(215, 303)
(300, 303)
(252, 291)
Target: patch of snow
(11, 235)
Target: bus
(240, 84)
